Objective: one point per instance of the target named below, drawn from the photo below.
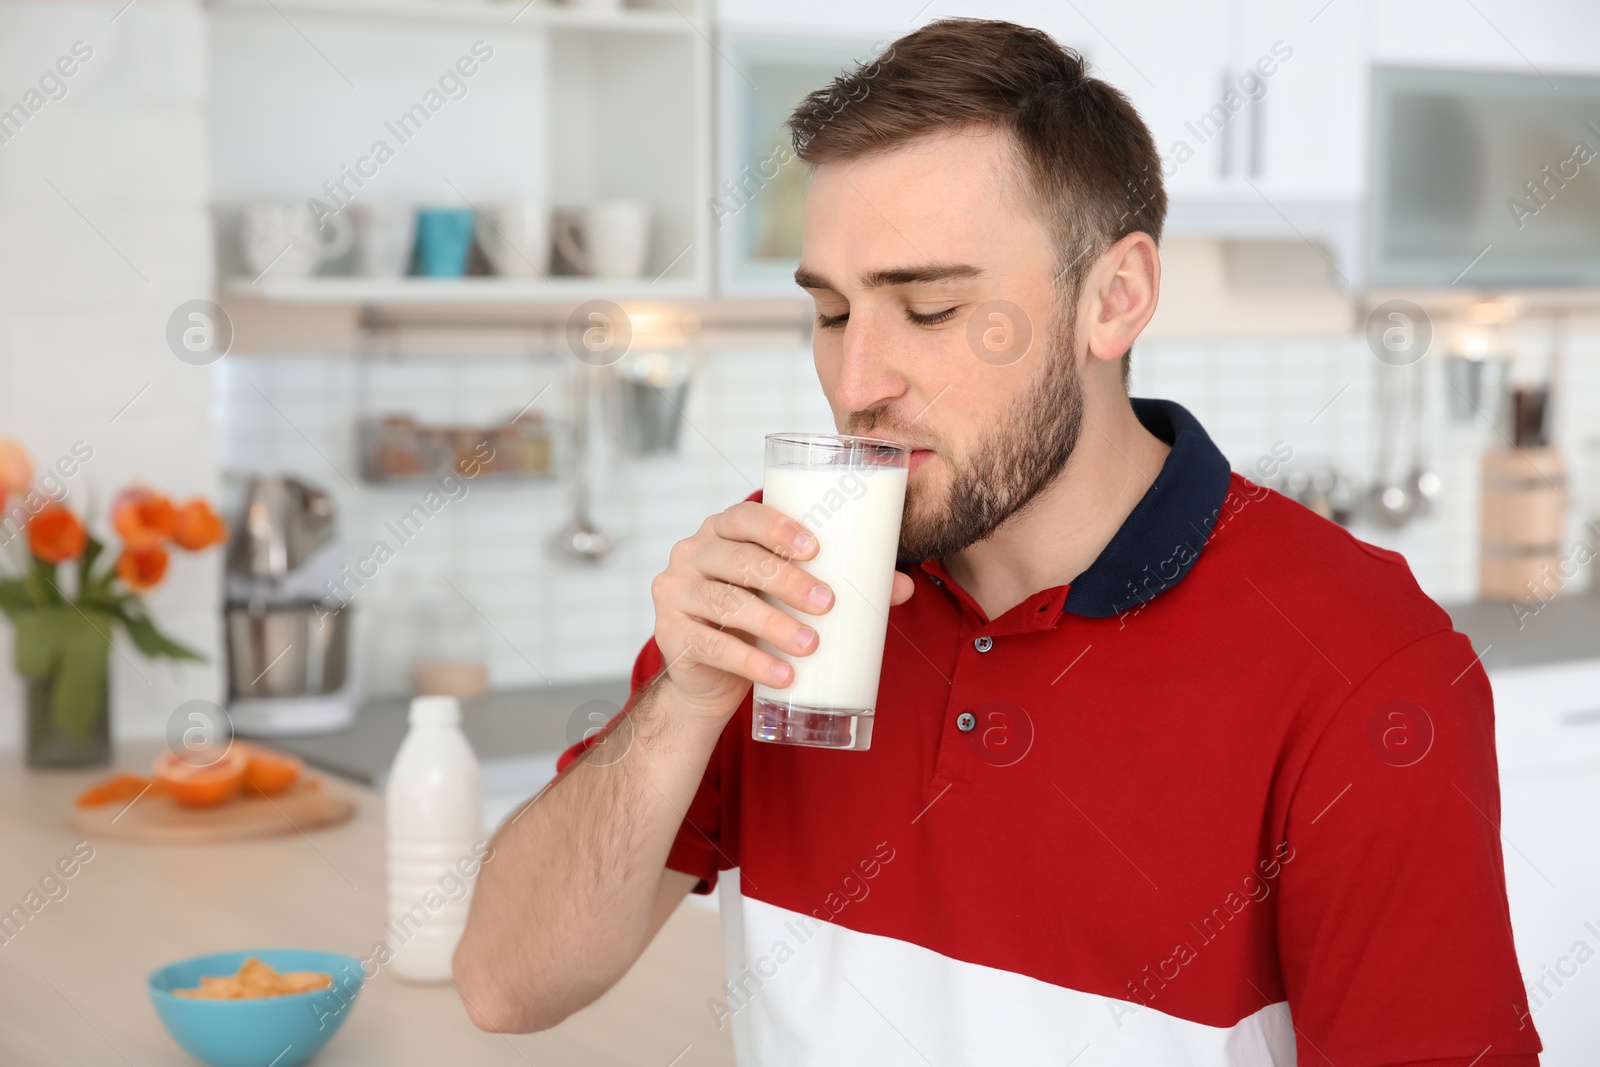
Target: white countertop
(73, 979)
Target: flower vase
(69, 691)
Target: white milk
(434, 803)
(855, 514)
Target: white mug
(285, 236)
(388, 233)
(615, 241)
(515, 237)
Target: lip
(917, 456)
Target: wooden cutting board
(156, 820)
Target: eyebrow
(877, 279)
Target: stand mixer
(290, 667)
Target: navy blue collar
(1163, 535)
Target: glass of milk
(850, 492)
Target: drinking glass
(850, 493)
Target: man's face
(937, 328)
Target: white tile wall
(543, 617)
(549, 619)
(103, 210)
(1319, 396)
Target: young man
(1166, 769)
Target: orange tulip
(16, 472)
(142, 518)
(142, 568)
(56, 535)
(196, 526)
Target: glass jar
(449, 650)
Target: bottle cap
(435, 711)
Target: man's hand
(708, 613)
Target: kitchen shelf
(414, 292)
(504, 14)
(578, 107)
(403, 317)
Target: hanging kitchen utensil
(654, 388)
(1423, 484)
(1390, 500)
(581, 538)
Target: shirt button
(966, 721)
(983, 644)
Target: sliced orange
(117, 787)
(203, 786)
(271, 772)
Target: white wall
(103, 233)
(295, 103)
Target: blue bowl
(262, 1031)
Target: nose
(867, 376)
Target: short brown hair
(1085, 153)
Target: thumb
(903, 588)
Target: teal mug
(444, 242)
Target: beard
(1008, 468)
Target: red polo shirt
(1228, 798)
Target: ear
(1120, 296)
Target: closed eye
(834, 322)
(933, 319)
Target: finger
(723, 606)
(903, 588)
(700, 643)
(766, 526)
(753, 567)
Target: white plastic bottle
(435, 818)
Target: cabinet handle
(1581, 718)
(1225, 149)
(1257, 138)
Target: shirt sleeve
(694, 850)
(1393, 928)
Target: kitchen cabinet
(1258, 110)
(1547, 721)
(1251, 97)
(1285, 156)
(1555, 36)
(1306, 137)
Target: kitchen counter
(1526, 634)
(73, 978)
(516, 733)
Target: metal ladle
(1391, 500)
(581, 538)
(1423, 484)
